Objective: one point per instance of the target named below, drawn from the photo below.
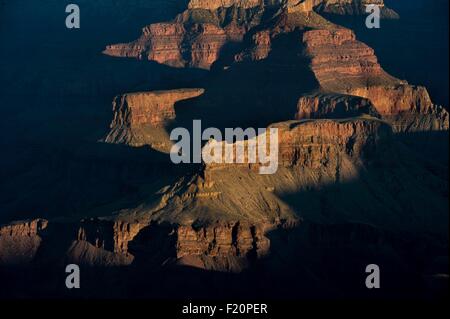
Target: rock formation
(333, 106)
(174, 44)
(353, 7)
(141, 118)
(343, 64)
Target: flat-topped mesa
(353, 7)
(323, 143)
(216, 4)
(319, 106)
(315, 144)
(342, 64)
(137, 113)
(153, 108)
(340, 7)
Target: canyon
(349, 188)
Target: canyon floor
(362, 119)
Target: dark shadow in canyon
(324, 256)
(89, 179)
(251, 94)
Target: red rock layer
(319, 144)
(333, 106)
(105, 242)
(140, 118)
(216, 4)
(222, 240)
(340, 62)
(152, 108)
(344, 65)
(178, 45)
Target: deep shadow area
(57, 93)
(379, 218)
(309, 262)
(252, 93)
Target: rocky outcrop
(141, 118)
(117, 243)
(216, 4)
(175, 44)
(113, 236)
(152, 108)
(322, 143)
(353, 7)
(197, 37)
(318, 106)
(344, 65)
(340, 62)
(259, 47)
(221, 240)
(20, 241)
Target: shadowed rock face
(333, 106)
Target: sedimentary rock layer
(175, 44)
(318, 145)
(141, 118)
(103, 242)
(322, 143)
(153, 108)
(318, 106)
(343, 64)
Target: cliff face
(196, 37)
(354, 7)
(19, 242)
(324, 143)
(344, 65)
(222, 240)
(141, 118)
(175, 44)
(216, 4)
(207, 219)
(117, 243)
(341, 62)
(318, 106)
(152, 108)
